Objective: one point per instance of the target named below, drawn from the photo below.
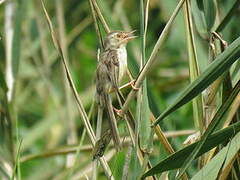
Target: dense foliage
(187, 55)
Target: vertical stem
(96, 25)
(127, 163)
(145, 131)
(193, 65)
(98, 135)
(140, 91)
(9, 10)
(211, 91)
(98, 11)
(80, 106)
(9, 30)
(100, 110)
(42, 37)
(72, 136)
(147, 67)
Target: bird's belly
(122, 55)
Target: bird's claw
(118, 111)
(132, 83)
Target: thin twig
(152, 57)
(193, 65)
(79, 148)
(79, 175)
(100, 110)
(227, 18)
(142, 100)
(73, 88)
(88, 147)
(72, 135)
(103, 21)
(126, 26)
(96, 25)
(9, 30)
(126, 163)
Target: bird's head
(117, 39)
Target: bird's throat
(122, 57)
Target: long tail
(112, 121)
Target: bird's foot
(132, 84)
(118, 111)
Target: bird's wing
(102, 79)
(113, 68)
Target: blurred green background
(46, 113)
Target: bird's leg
(117, 111)
(124, 86)
(224, 43)
(131, 83)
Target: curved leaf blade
(16, 46)
(210, 13)
(191, 155)
(215, 121)
(215, 69)
(227, 154)
(177, 159)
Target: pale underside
(122, 58)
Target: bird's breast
(122, 57)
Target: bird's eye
(118, 35)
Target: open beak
(129, 36)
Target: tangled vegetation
(180, 120)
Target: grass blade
(215, 121)
(227, 154)
(227, 18)
(193, 66)
(210, 13)
(147, 67)
(215, 69)
(176, 160)
(73, 88)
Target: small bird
(112, 67)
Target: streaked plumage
(111, 68)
